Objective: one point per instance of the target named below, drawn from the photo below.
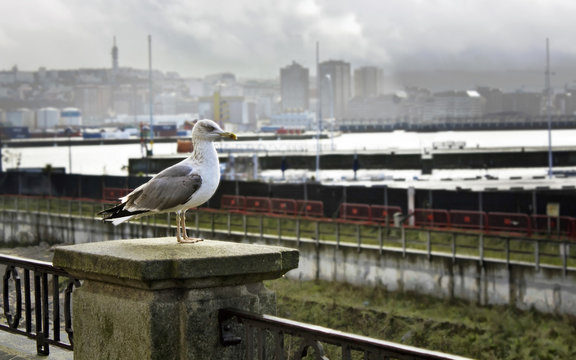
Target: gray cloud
(257, 37)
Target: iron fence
(498, 246)
(32, 294)
(267, 337)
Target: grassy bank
(456, 327)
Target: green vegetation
(454, 327)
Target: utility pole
(151, 96)
(1, 145)
(549, 108)
(319, 110)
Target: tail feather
(118, 214)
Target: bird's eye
(209, 127)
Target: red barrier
(468, 219)
(562, 225)
(258, 204)
(114, 194)
(509, 222)
(431, 217)
(383, 213)
(310, 208)
(232, 202)
(350, 211)
(284, 206)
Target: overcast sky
(254, 38)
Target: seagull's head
(209, 130)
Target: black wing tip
(118, 211)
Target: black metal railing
(32, 294)
(266, 337)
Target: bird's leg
(185, 238)
(185, 234)
(178, 227)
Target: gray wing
(170, 188)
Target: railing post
(481, 248)
(537, 254)
(507, 252)
(403, 234)
(261, 227)
(453, 245)
(229, 223)
(358, 238)
(380, 239)
(298, 231)
(212, 223)
(167, 224)
(428, 244)
(279, 229)
(157, 299)
(337, 235)
(564, 258)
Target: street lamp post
(548, 109)
(319, 109)
(332, 119)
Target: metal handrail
(37, 311)
(311, 337)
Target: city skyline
(256, 38)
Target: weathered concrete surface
(165, 263)
(157, 299)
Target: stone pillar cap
(160, 263)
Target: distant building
(376, 107)
(368, 81)
(231, 111)
(453, 104)
(294, 88)
(565, 103)
(225, 83)
(494, 100)
(335, 88)
(527, 103)
(294, 120)
(94, 102)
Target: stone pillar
(157, 299)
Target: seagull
(187, 184)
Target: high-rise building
(334, 88)
(368, 81)
(294, 87)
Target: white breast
(208, 167)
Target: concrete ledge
(161, 263)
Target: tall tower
(294, 87)
(113, 78)
(114, 57)
(335, 77)
(367, 81)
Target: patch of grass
(455, 327)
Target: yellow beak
(229, 135)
